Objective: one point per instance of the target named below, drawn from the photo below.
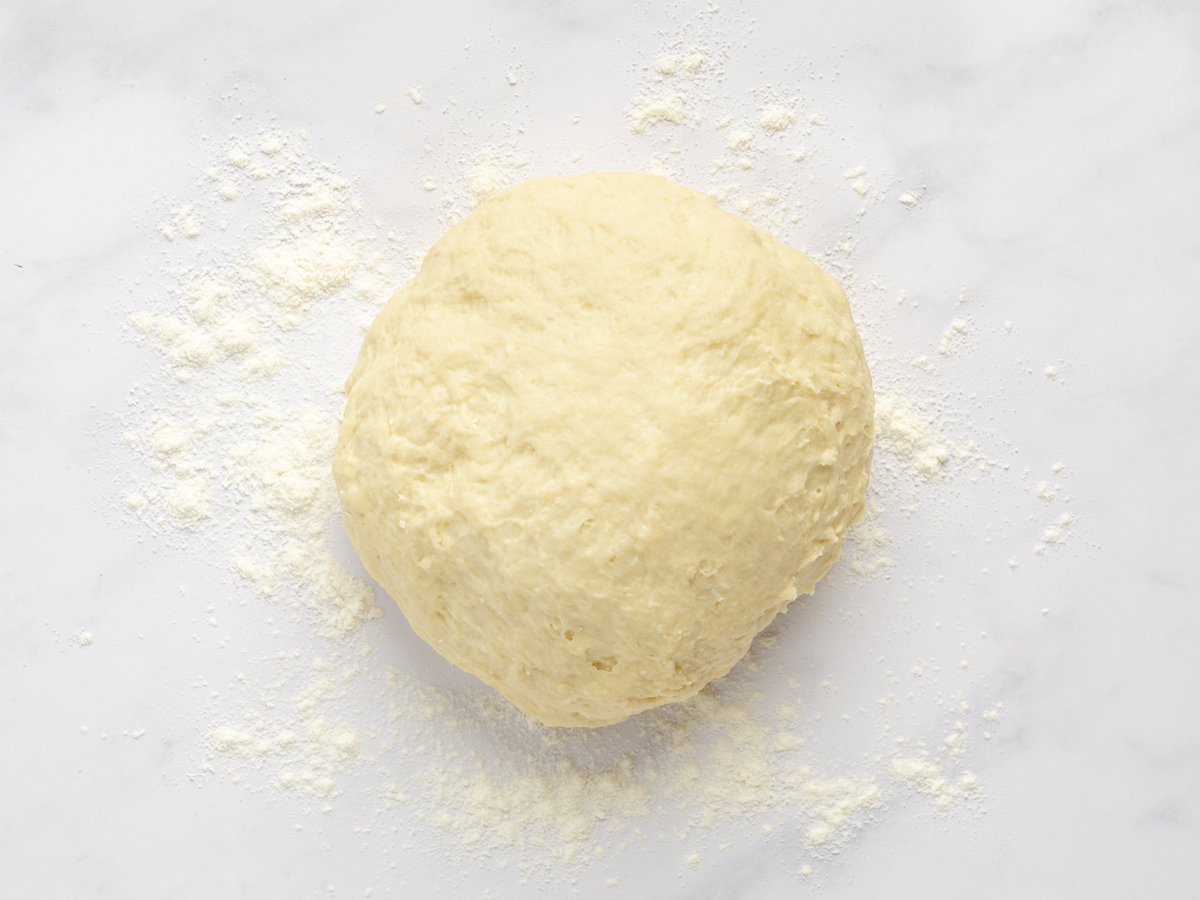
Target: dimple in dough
(602, 438)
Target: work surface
(992, 695)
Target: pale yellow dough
(606, 434)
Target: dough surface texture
(601, 439)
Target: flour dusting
(230, 449)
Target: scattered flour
(909, 435)
(182, 221)
(293, 274)
(284, 472)
(492, 172)
(710, 756)
(949, 337)
(866, 541)
(740, 141)
(305, 747)
(926, 777)
(776, 118)
(651, 110)
(238, 466)
(275, 460)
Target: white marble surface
(1056, 145)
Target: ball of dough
(601, 439)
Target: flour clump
(602, 438)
